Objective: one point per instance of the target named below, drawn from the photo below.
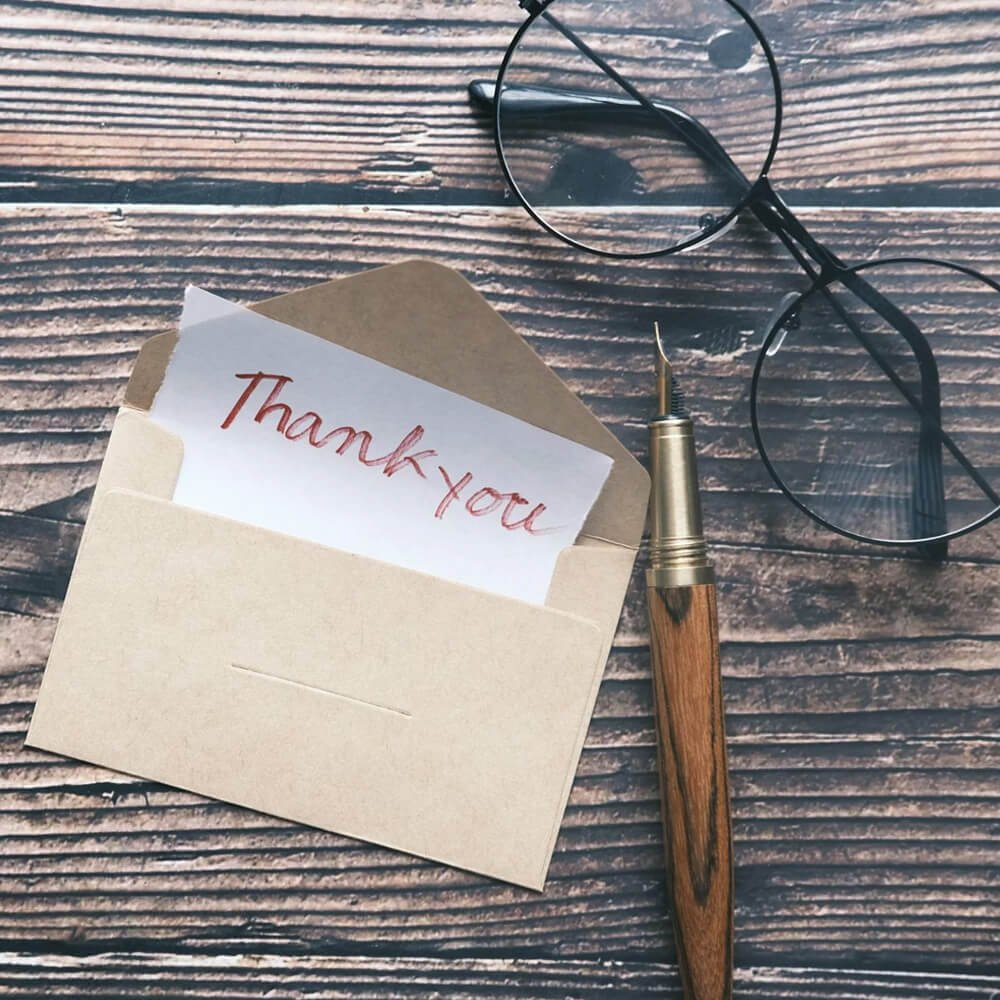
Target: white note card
(293, 433)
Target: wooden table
(254, 149)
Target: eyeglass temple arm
(546, 102)
(927, 513)
(928, 510)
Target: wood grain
(863, 809)
(694, 784)
(120, 975)
(861, 687)
(349, 101)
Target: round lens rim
(535, 9)
(827, 278)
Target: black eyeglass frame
(535, 9)
(820, 264)
(930, 545)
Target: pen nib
(669, 397)
(664, 374)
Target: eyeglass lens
(614, 174)
(904, 458)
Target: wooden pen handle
(694, 784)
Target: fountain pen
(687, 691)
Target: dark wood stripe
(120, 974)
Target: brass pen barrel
(687, 689)
(677, 553)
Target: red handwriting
(475, 506)
(309, 426)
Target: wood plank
(329, 896)
(766, 596)
(68, 352)
(864, 800)
(366, 101)
(120, 974)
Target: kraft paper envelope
(329, 688)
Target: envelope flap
(426, 319)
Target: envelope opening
(144, 458)
(425, 319)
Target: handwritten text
(404, 457)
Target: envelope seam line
(267, 675)
(610, 541)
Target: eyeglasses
(640, 129)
